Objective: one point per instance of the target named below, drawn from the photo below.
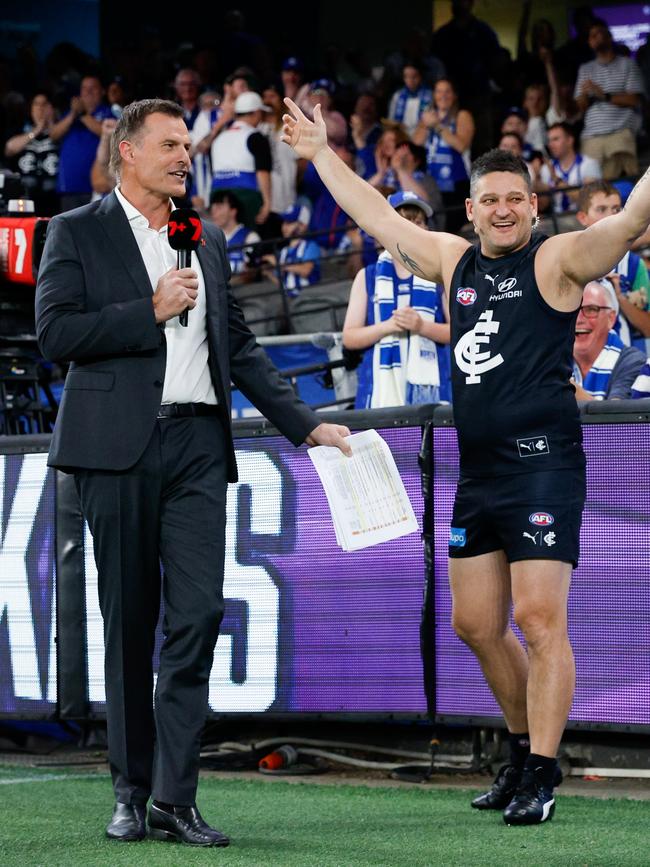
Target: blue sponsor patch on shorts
(457, 537)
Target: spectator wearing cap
(321, 92)
(409, 102)
(603, 367)
(292, 83)
(226, 213)
(299, 260)
(400, 320)
(608, 92)
(241, 159)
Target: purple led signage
(609, 603)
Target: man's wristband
(607, 97)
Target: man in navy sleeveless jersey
(514, 300)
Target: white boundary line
(49, 778)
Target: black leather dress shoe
(184, 825)
(128, 823)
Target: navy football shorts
(528, 515)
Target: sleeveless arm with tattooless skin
(566, 263)
(432, 255)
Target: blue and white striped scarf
(596, 382)
(422, 93)
(405, 365)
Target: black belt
(187, 410)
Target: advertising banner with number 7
(19, 238)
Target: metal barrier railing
(282, 318)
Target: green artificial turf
(60, 823)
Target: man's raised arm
(423, 253)
(593, 252)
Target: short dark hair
(512, 134)
(411, 211)
(566, 127)
(497, 160)
(132, 120)
(418, 153)
(227, 196)
(589, 190)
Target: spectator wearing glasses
(603, 367)
(596, 201)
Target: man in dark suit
(144, 425)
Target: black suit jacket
(94, 308)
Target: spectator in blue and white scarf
(603, 367)
(408, 103)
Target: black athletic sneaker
(533, 802)
(502, 791)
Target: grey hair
(610, 294)
(130, 125)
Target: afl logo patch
(465, 295)
(541, 519)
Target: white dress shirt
(187, 375)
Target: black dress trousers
(169, 508)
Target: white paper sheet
(366, 495)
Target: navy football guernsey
(514, 408)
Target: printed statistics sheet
(366, 495)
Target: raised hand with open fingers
(306, 137)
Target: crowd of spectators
(574, 112)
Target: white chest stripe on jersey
(470, 358)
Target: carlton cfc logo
(466, 296)
(541, 519)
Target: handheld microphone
(184, 235)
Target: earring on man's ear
(535, 222)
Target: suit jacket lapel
(208, 265)
(113, 219)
